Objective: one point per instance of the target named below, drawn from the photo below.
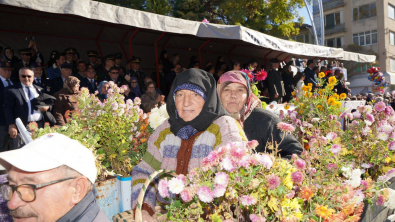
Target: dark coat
(102, 74)
(275, 85)
(55, 85)
(85, 83)
(164, 86)
(15, 105)
(310, 78)
(64, 102)
(261, 125)
(44, 83)
(2, 115)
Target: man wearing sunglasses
(51, 179)
(114, 76)
(20, 102)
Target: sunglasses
(114, 72)
(24, 76)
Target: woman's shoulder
(224, 120)
(260, 115)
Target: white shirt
(5, 83)
(37, 115)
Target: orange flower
(323, 211)
(306, 193)
(306, 146)
(354, 218)
(143, 140)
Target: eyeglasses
(27, 192)
(114, 72)
(24, 76)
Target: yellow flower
(323, 211)
(321, 75)
(310, 84)
(387, 160)
(393, 158)
(320, 107)
(331, 86)
(332, 80)
(288, 181)
(306, 193)
(286, 106)
(293, 93)
(336, 96)
(331, 100)
(273, 204)
(310, 87)
(343, 96)
(305, 88)
(338, 104)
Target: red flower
(249, 74)
(261, 75)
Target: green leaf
(177, 204)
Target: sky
(303, 12)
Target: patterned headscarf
(69, 84)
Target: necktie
(93, 84)
(38, 81)
(29, 94)
(8, 82)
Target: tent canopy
(86, 25)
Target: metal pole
(322, 22)
(312, 22)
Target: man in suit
(136, 72)
(39, 79)
(70, 55)
(5, 76)
(92, 57)
(102, 73)
(81, 67)
(56, 84)
(20, 102)
(310, 75)
(114, 76)
(26, 55)
(90, 82)
(275, 83)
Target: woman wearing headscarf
(151, 99)
(103, 90)
(8, 55)
(65, 99)
(197, 125)
(134, 87)
(259, 124)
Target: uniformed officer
(26, 55)
(92, 57)
(136, 72)
(102, 73)
(39, 79)
(70, 54)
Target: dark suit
(310, 78)
(55, 85)
(44, 83)
(85, 83)
(5, 139)
(119, 82)
(275, 85)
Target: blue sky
(303, 13)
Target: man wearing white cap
(53, 177)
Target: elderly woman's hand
(44, 108)
(146, 216)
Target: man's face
(51, 203)
(5, 73)
(81, 67)
(60, 61)
(69, 57)
(90, 73)
(26, 57)
(65, 72)
(136, 65)
(114, 74)
(38, 72)
(26, 77)
(316, 71)
(92, 60)
(109, 63)
(118, 62)
(178, 69)
(254, 65)
(276, 65)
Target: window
(335, 42)
(304, 38)
(392, 65)
(300, 38)
(332, 19)
(361, 67)
(391, 11)
(364, 11)
(392, 38)
(365, 38)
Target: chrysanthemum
(331, 166)
(256, 218)
(185, 196)
(323, 211)
(331, 136)
(379, 106)
(247, 200)
(335, 149)
(205, 194)
(261, 75)
(386, 128)
(162, 188)
(380, 200)
(357, 115)
(252, 144)
(219, 190)
(297, 177)
(285, 127)
(237, 152)
(228, 164)
(221, 178)
(264, 160)
(176, 185)
(332, 80)
(300, 164)
(273, 181)
(391, 146)
(306, 193)
(365, 130)
(383, 136)
(212, 156)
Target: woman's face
(9, 53)
(76, 88)
(188, 104)
(151, 88)
(105, 88)
(233, 97)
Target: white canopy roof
(87, 25)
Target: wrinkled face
(104, 88)
(90, 73)
(188, 104)
(60, 61)
(38, 72)
(9, 53)
(81, 67)
(92, 60)
(66, 72)
(51, 202)
(109, 63)
(234, 97)
(151, 88)
(26, 77)
(26, 57)
(136, 65)
(70, 57)
(6, 73)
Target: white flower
(264, 160)
(358, 197)
(391, 218)
(383, 136)
(355, 178)
(121, 112)
(315, 120)
(155, 120)
(365, 130)
(131, 137)
(368, 123)
(154, 110)
(346, 171)
(163, 111)
(391, 199)
(368, 109)
(145, 116)
(176, 186)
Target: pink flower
(212, 157)
(163, 188)
(357, 115)
(264, 160)
(237, 152)
(389, 111)
(192, 174)
(370, 117)
(349, 116)
(365, 130)
(185, 196)
(256, 218)
(221, 151)
(297, 177)
(313, 142)
(364, 184)
(285, 127)
(205, 194)
(261, 75)
(219, 190)
(331, 166)
(300, 164)
(335, 149)
(183, 178)
(312, 170)
(290, 195)
(273, 181)
(354, 123)
(383, 136)
(323, 140)
(380, 106)
(252, 144)
(247, 200)
(331, 136)
(380, 200)
(221, 178)
(245, 161)
(228, 164)
(332, 117)
(391, 146)
(137, 101)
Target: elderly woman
(103, 90)
(65, 99)
(197, 125)
(151, 99)
(261, 125)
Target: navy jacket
(310, 77)
(15, 105)
(55, 85)
(85, 83)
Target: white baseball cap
(51, 151)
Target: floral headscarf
(69, 84)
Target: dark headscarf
(212, 108)
(135, 90)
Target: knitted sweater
(162, 150)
